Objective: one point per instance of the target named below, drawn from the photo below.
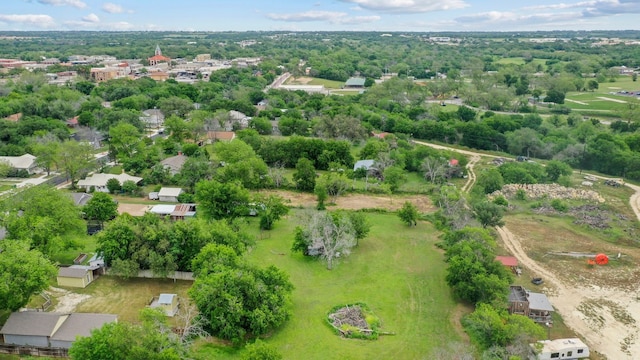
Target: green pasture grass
(520, 61)
(621, 83)
(594, 101)
(397, 271)
(329, 84)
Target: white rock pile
(550, 191)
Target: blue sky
(329, 15)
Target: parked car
(537, 281)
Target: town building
(158, 57)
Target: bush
(501, 200)
(559, 205)
(565, 181)
(521, 194)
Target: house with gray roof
(54, 330)
(536, 306)
(99, 181)
(26, 162)
(169, 194)
(174, 163)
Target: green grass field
(329, 84)
(604, 100)
(397, 271)
(520, 61)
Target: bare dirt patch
(302, 80)
(357, 201)
(67, 300)
(133, 209)
(600, 303)
(610, 99)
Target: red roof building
(158, 57)
(507, 260)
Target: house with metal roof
(536, 306)
(169, 194)
(355, 83)
(52, 330)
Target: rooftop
(507, 260)
(31, 323)
(166, 298)
(354, 81)
(81, 324)
(169, 191)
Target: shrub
(559, 205)
(521, 194)
(501, 200)
(565, 181)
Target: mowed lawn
(112, 295)
(397, 271)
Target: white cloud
(354, 20)
(595, 8)
(92, 18)
(75, 3)
(85, 25)
(307, 16)
(333, 17)
(38, 20)
(112, 8)
(500, 18)
(408, 6)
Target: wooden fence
(33, 351)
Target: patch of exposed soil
(67, 301)
(357, 201)
(133, 209)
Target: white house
(25, 162)
(169, 194)
(99, 181)
(560, 349)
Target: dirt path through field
(607, 318)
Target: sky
(313, 15)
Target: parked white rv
(566, 349)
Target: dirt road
(606, 317)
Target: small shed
(508, 261)
(169, 194)
(166, 302)
(77, 275)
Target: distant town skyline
(330, 15)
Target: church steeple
(158, 51)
